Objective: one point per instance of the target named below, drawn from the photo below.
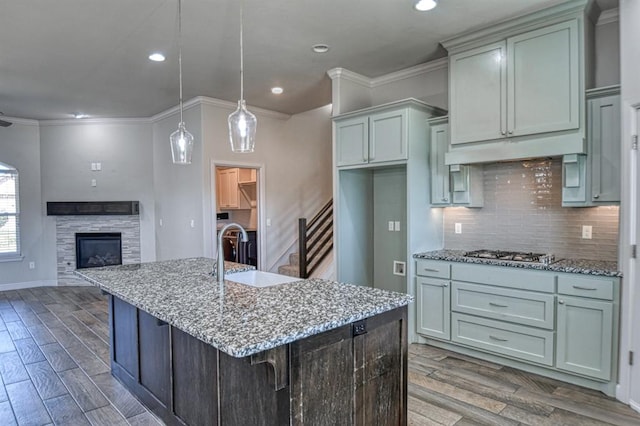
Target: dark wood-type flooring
(54, 366)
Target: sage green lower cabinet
(524, 343)
(585, 336)
(557, 324)
(434, 300)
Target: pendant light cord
(241, 56)
(180, 53)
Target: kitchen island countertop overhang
(238, 319)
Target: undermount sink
(260, 278)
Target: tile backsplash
(522, 211)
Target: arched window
(9, 212)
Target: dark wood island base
(352, 375)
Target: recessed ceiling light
(320, 48)
(277, 90)
(424, 5)
(157, 57)
(79, 115)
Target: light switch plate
(397, 225)
(390, 225)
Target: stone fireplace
(68, 225)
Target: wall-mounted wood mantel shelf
(92, 208)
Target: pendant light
(181, 140)
(242, 124)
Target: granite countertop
(576, 266)
(235, 318)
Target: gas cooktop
(515, 256)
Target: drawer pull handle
(498, 305)
(499, 339)
(577, 287)
(438, 285)
(431, 270)
(561, 302)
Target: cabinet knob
(445, 199)
(596, 196)
(510, 132)
(561, 302)
(503, 133)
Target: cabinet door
(584, 337)
(434, 308)
(604, 148)
(440, 191)
(543, 80)
(388, 136)
(124, 334)
(232, 188)
(477, 96)
(155, 369)
(352, 141)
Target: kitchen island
(199, 352)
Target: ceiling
(90, 56)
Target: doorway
(237, 198)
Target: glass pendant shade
(181, 145)
(242, 129)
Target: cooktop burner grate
(515, 256)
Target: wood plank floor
(54, 366)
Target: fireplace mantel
(92, 208)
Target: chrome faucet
(220, 261)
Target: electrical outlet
(268, 221)
(587, 232)
(397, 225)
(32, 265)
(94, 182)
(160, 221)
(458, 228)
(192, 223)
(390, 225)
(399, 268)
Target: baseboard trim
(28, 284)
(634, 405)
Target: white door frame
(260, 190)
(628, 390)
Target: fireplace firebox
(98, 249)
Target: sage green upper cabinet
(516, 88)
(478, 89)
(440, 187)
(378, 135)
(353, 141)
(455, 185)
(594, 179)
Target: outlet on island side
(587, 232)
(399, 268)
(458, 228)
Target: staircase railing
(315, 239)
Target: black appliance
(240, 252)
(514, 256)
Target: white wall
(295, 153)
(125, 151)
(20, 147)
(178, 190)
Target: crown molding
(608, 16)
(22, 121)
(219, 103)
(351, 76)
(84, 121)
(371, 83)
(434, 65)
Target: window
(9, 212)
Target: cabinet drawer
(503, 276)
(516, 341)
(521, 307)
(586, 286)
(433, 268)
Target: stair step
(294, 258)
(289, 270)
